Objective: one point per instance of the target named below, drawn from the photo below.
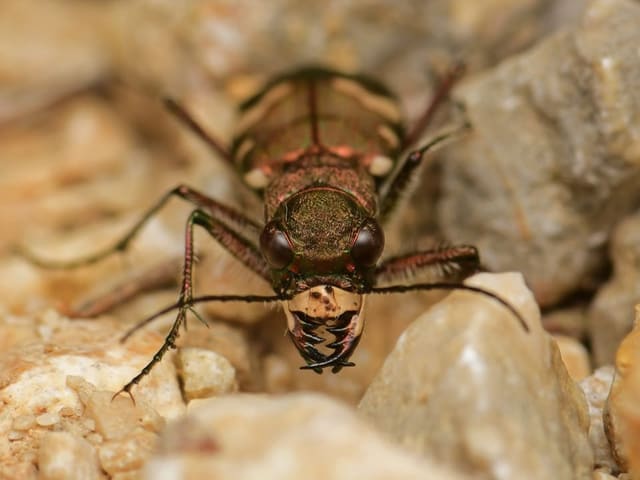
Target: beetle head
(322, 246)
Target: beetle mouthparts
(330, 310)
(343, 328)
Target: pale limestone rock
(64, 378)
(292, 437)
(34, 376)
(63, 456)
(552, 162)
(127, 454)
(205, 373)
(32, 35)
(232, 343)
(566, 321)
(622, 414)
(596, 389)
(278, 375)
(574, 356)
(611, 312)
(467, 385)
(118, 417)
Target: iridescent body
(321, 148)
(316, 144)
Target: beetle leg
(458, 262)
(441, 94)
(185, 192)
(392, 191)
(237, 245)
(158, 276)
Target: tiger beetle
(322, 149)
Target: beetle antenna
(453, 286)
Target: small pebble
(67, 412)
(47, 419)
(94, 438)
(13, 435)
(205, 373)
(89, 424)
(24, 422)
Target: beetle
(322, 149)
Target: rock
(205, 373)
(62, 379)
(596, 389)
(463, 382)
(33, 35)
(116, 418)
(278, 374)
(574, 356)
(622, 414)
(232, 343)
(611, 312)
(63, 456)
(286, 437)
(127, 454)
(552, 162)
(566, 321)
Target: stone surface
(570, 321)
(62, 378)
(574, 356)
(233, 343)
(611, 312)
(622, 413)
(596, 389)
(205, 373)
(460, 386)
(127, 454)
(286, 437)
(32, 37)
(552, 162)
(63, 456)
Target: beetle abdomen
(346, 115)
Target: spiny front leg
(240, 247)
(169, 343)
(462, 259)
(184, 304)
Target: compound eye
(275, 246)
(369, 243)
